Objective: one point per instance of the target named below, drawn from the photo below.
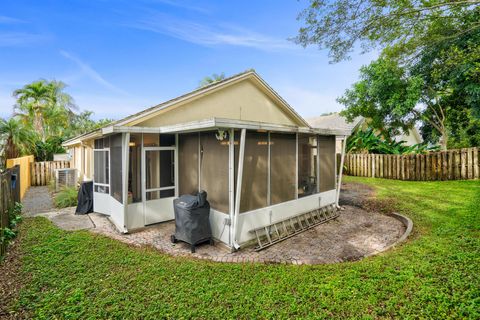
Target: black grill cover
(192, 224)
(85, 198)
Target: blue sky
(119, 57)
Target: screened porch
(252, 175)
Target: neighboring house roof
(412, 137)
(334, 121)
(158, 110)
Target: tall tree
(211, 79)
(43, 103)
(17, 139)
(406, 26)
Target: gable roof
(335, 121)
(196, 94)
(213, 87)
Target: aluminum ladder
(284, 229)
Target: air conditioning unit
(66, 177)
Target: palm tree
(16, 138)
(39, 102)
(211, 79)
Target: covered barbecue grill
(192, 224)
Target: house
(335, 120)
(259, 160)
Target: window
(327, 162)
(282, 167)
(307, 165)
(101, 167)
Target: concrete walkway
(37, 200)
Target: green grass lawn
(435, 274)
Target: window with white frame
(101, 166)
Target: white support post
(269, 198)
(339, 184)
(239, 187)
(176, 166)
(296, 165)
(318, 164)
(125, 164)
(231, 182)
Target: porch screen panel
(134, 168)
(307, 165)
(327, 162)
(116, 190)
(255, 172)
(188, 145)
(214, 170)
(101, 171)
(282, 167)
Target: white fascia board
(80, 139)
(222, 123)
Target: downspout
(339, 186)
(238, 194)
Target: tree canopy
(44, 116)
(211, 79)
(428, 71)
(406, 26)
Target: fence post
(475, 163)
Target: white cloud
(202, 34)
(182, 5)
(91, 73)
(9, 20)
(14, 39)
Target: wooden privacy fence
(43, 172)
(442, 165)
(9, 194)
(25, 172)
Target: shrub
(67, 197)
(7, 234)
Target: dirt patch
(11, 282)
(355, 194)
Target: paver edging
(407, 222)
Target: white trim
(199, 162)
(340, 174)
(296, 165)
(176, 166)
(238, 195)
(125, 164)
(214, 123)
(231, 183)
(107, 150)
(269, 196)
(318, 163)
